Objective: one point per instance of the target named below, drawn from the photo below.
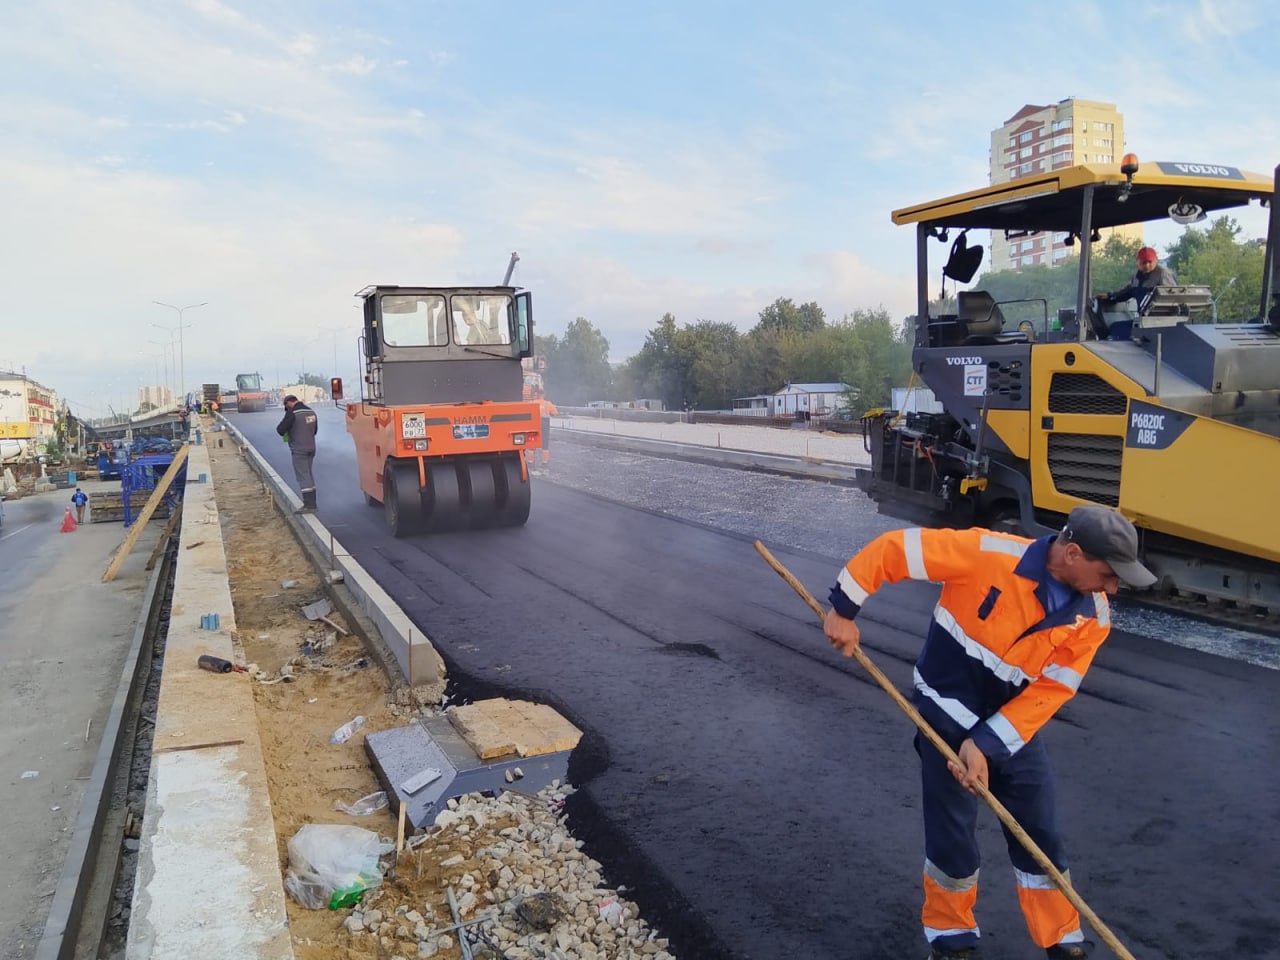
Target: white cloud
(1213, 20)
(355, 65)
(302, 46)
(219, 12)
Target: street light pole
(182, 356)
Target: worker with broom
(1015, 629)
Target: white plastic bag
(332, 865)
(366, 805)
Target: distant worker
(1014, 631)
(79, 499)
(299, 427)
(1149, 276)
(548, 411)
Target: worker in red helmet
(1149, 276)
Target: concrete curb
(63, 925)
(844, 474)
(412, 651)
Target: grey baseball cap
(1108, 535)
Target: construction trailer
(442, 424)
(1149, 407)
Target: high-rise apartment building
(1037, 139)
(154, 397)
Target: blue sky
(699, 158)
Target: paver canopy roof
(1052, 201)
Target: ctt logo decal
(1154, 428)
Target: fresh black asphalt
(758, 793)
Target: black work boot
(1069, 951)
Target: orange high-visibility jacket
(994, 666)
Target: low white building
(814, 399)
(757, 406)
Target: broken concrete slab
(425, 764)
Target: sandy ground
(306, 773)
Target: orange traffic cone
(68, 522)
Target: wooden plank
(497, 728)
(164, 536)
(136, 530)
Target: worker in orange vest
(1012, 637)
(548, 410)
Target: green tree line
(705, 365)
(1214, 256)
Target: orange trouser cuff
(1049, 915)
(948, 909)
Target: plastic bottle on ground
(365, 805)
(344, 732)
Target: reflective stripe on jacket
(994, 666)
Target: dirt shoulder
(509, 858)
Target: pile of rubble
(518, 887)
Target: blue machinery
(142, 472)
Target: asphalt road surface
(64, 637)
(758, 792)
